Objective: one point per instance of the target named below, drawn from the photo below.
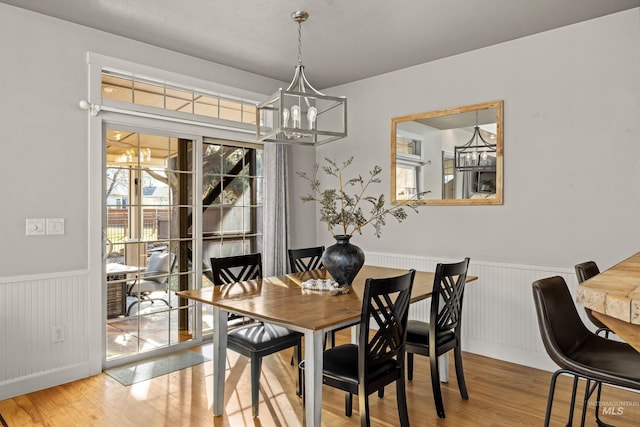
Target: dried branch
(339, 208)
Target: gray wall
(571, 146)
(55, 280)
(44, 134)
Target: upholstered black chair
(578, 351)
(305, 259)
(258, 339)
(378, 358)
(443, 331)
(154, 279)
(585, 271)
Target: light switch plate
(55, 225)
(35, 227)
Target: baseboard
(31, 383)
(509, 354)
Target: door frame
(97, 124)
(155, 127)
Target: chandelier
(300, 114)
(477, 154)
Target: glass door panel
(232, 205)
(148, 211)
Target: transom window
(407, 146)
(134, 89)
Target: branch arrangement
(341, 207)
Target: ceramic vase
(343, 260)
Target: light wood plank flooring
(500, 394)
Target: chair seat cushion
(601, 357)
(144, 286)
(341, 362)
(261, 336)
(418, 335)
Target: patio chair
(154, 279)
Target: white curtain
(467, 191)
(275, 217)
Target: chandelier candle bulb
(295, 116)
(312, 113)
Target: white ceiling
(342, 41)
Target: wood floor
(500, 394)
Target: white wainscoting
(30, 308)
(499, 319)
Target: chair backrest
(236, 268)
(446, 300)
(560, 326)
(159, 264)
(386, 305)
(585, 271)
(305, 259)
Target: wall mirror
(448, 157)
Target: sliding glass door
(147, 222)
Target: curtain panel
(275, 217)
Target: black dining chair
(307, 259)
(578, 351)
(378, 358)
(258, 339)
(585, 271)
(443, 331)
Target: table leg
(444, 368)
(313, 342)
(219, 358)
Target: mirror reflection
(448, 157)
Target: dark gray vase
(343, 260)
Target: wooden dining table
(284, 301)
(614, 298)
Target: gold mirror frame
(461, 120)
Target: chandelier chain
(299, 42)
